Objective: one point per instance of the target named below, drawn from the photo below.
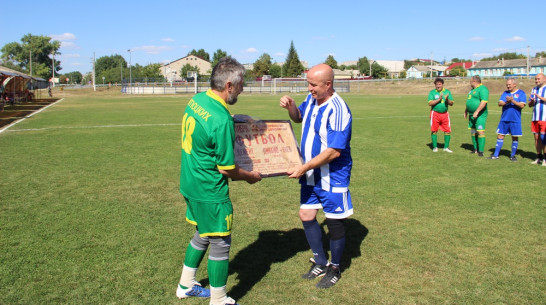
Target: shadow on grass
(253, 262)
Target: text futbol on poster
(268, 147)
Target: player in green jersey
(439, 100)
(208, 135)
(476, 112)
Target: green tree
(364, 66)
(110, 62)
(39, 48)
(508, 55)
(186, 68)
(262, 65)
(201, 53)
(378, 71)
(460, 60)
(73, 77)
(292, 66)
(275, 70)
(330, 61)
(538, 54)
(219, 54)
(458, 71)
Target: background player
(537, 99)
(439, 100)
(476, 112)
(511, 101)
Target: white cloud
(152, 49)
(73, 55)
(69, 45)
(481, 55)
(500, 50)
(250, 50)
(168, 39)
(515, 38)
(476, 38)
(63, 37)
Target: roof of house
(465, 65)
(392, 65)
(509, 63)
(421, 68)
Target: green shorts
(211, 219)
(477, 123)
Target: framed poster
(268, 147)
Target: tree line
(36, 55)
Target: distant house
(498, 68)
(171, 71)
(394, 67)
(465, 65)
(420, 71)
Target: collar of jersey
(217, 98)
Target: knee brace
(336, 228)
(219, 247)
(199, 243)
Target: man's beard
(231, 100)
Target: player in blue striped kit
(326, 172)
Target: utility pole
(53, 79)
(528, 68)
(94, 87)
(431, 53)
(30, 56)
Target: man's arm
(327, 156)
(240, 174)
(289, 104)
(480, 108)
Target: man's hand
(286, 102)
(254, 177)
(296, 172)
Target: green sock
(447, 138)
(481, 142)
(474, 141)
(193, 257)
(434, 138)
(218, 272)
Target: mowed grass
(90, 211)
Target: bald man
(325, 175)
(512, 101)
(537, 100)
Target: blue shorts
(336, 204)
(512, 128)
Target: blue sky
(163, 30)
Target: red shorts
(439, 120)
(538, 126)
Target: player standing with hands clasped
(439, 100)
(511, 101)
(476, 113)
(208, 135)
(537, 99)
(326, 172)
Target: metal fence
(276, 86)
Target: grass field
(90, 211)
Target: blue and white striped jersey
(539, 111)
(327, 126)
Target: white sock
(217, 295)
(187, 279)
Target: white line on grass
(28, 116)
(98, 126)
